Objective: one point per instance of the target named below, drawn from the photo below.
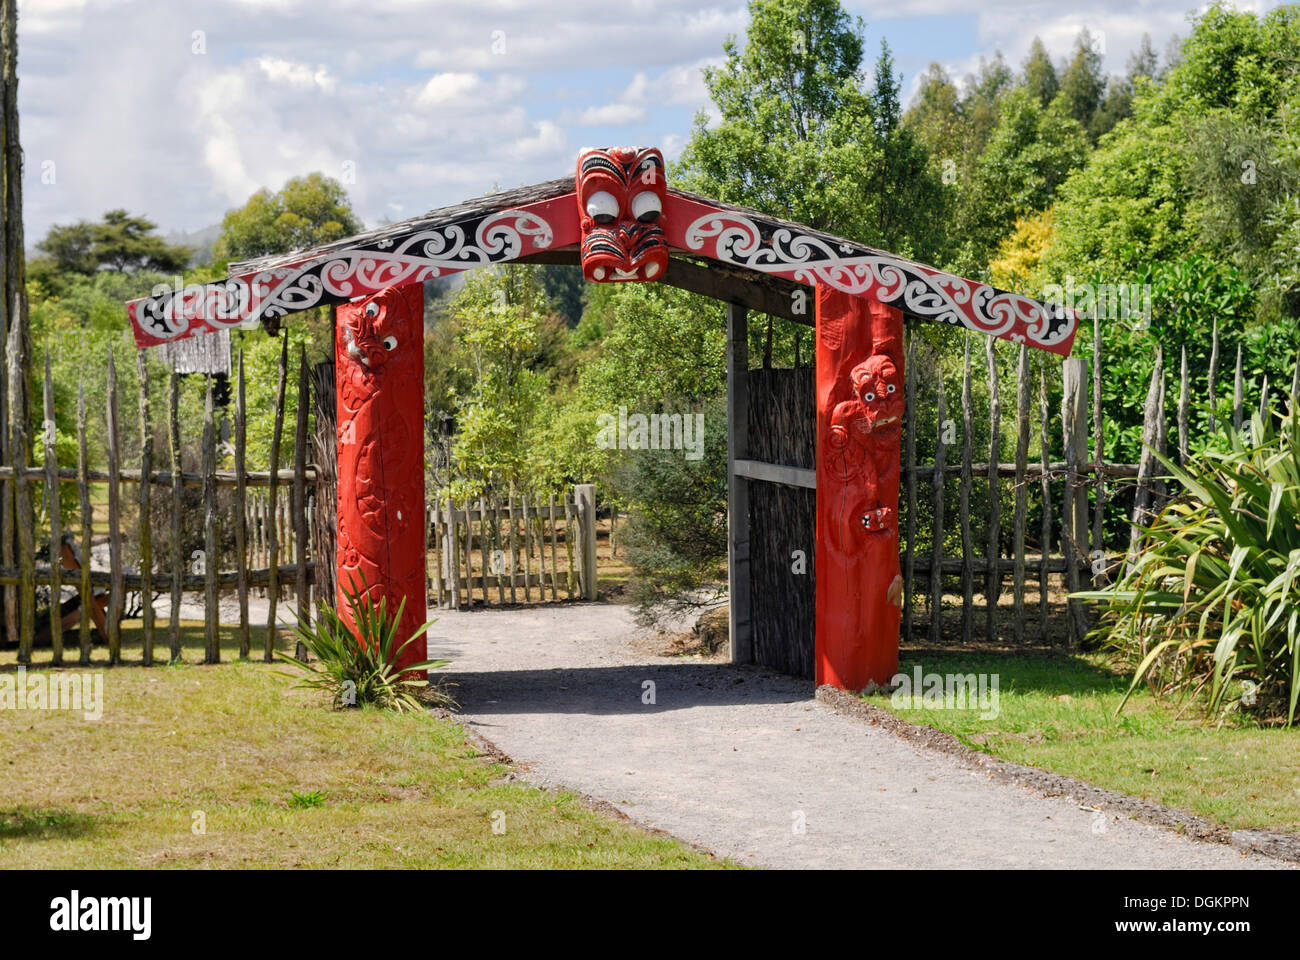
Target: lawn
(227, 766)
(1057, 711)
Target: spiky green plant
(1210, 607)
(356, 669)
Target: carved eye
(890, 388)
(869, 397)
(602, 207)
(646, 206)
(372, 309)
(390, 343)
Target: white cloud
(610, 115)
(298, 75)
(444, 88)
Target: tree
(934, 116)
(121, 242)
(1040, 78)
(1029, 155)
(307, 211)
(1083, 83)
(884, 92)
(798, 137)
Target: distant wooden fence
(505, 550)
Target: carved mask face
(879, 389)
(369, 337)
(621, 192)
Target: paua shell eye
(372, 309)
(890, 388)
(390, 343)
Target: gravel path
(735, 758)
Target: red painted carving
(379, 378)
(621, 194)
(859, 423)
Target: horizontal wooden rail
(162, 582)
(224, 478)
(777, 473)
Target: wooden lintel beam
(756, 292)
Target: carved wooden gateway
(620, 221)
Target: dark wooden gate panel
(782, 520)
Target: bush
(1211, 605)
(359, 669)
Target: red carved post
(379, 364)
(859, 419)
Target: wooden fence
(523, 543)
(250, 532)
(270, 548)
(1078, 493)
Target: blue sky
(180, 109)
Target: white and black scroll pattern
(943, 298)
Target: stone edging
(1280, 846)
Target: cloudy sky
(180, 109)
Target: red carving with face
(379, 382)
(860, 407)
(621, 193)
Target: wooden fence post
(144, 502)
(116, 584)
(272, 521)
(241, 508)
(993, 585)
(178, 548)
(936, 540)
(909, 480)
(963, 497)
(24, 518)
(211, 609)
(740, 626)
(1022, 492)
(1153, 413)
(1074, 517)
(301, 588)
(584, 495)
(50, 437)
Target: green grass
(273, 779)
(1058, 712)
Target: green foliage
(121, 242)
(306, 211)
(358, 669)
(677, 535)
(1212, 599)
(799, 138)
(1029, 154)
(1083, 84)
(306, 799)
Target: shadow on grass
(1052, 673)
(27, 823)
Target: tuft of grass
(309, 798)
(1058, 712)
